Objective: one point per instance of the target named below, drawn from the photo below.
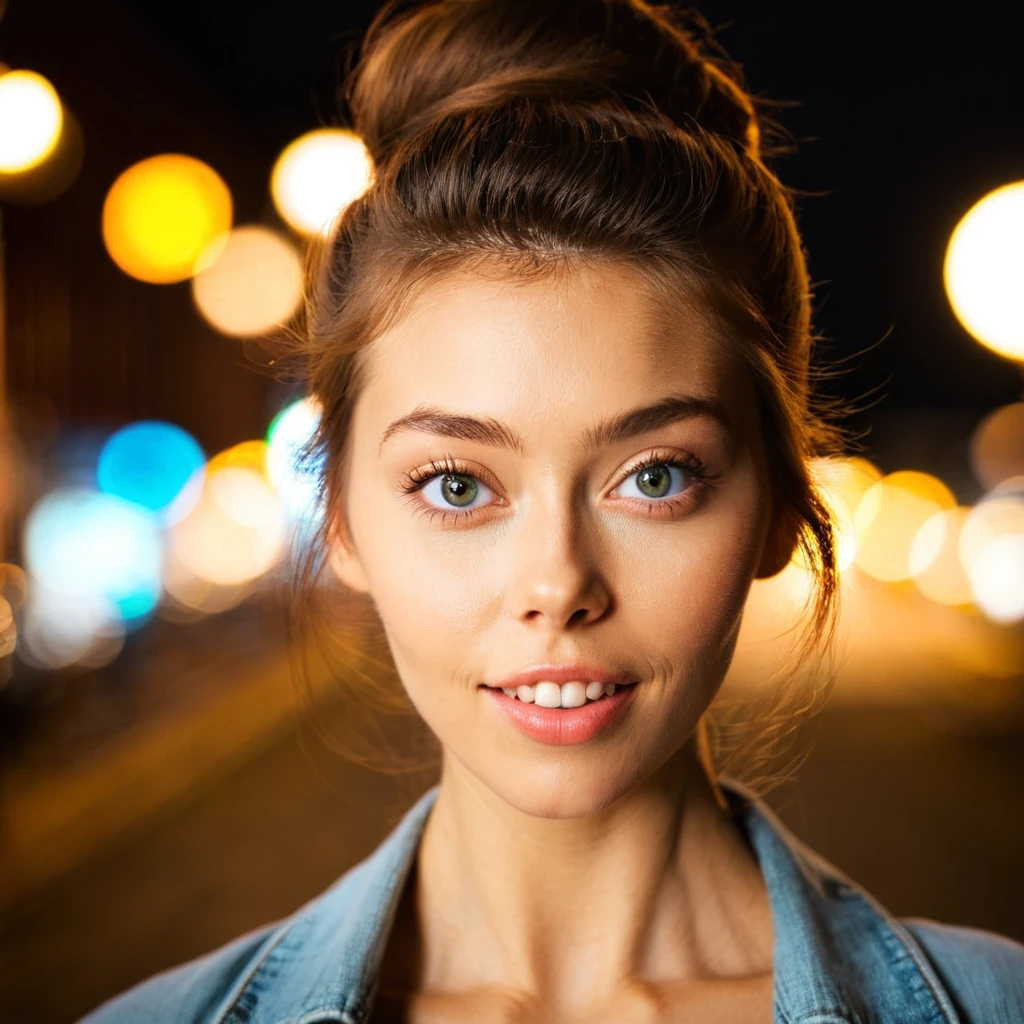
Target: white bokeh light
(297, 485)
(317, 176)
(997, 579)
(31, 118)
(984, 270)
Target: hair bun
(425, 61)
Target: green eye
(654, 481)
(665, 479)
(447, 491)
(458, 489)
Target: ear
(345, 561)
(780, 543)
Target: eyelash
(417, 479)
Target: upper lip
(578, 672)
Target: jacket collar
(839, 955)
(840, 958)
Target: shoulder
(302, 966)
(983, 971)
(192, 992)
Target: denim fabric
(840, 958)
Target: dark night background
(902, 117)
(903, 120)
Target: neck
(659, 887)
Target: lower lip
(564, 726)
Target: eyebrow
(489, 431)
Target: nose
(556, 578)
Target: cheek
(686, 593)
(708, 572)
(432, 592)
(431, 580)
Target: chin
(560, 794)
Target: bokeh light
(990, 549)
(984, 268)
(317, 176)
(298, 484)
(935, 558)
(63, 629)
(163, 216)
(189, 598)
(235, 533)
(85, 544)
(250, 455)
(252, 283)
(999, 513)
(13, 584)
(13, 592)
(8, 629)
(997, 579)
(842, 484)
(151, 463)
(889, 517)
(997, 445)
(31, 117)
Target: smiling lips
(561, 723)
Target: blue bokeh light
(149, 463)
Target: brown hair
(534, 134)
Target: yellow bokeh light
(163, 215)
(935, 560)
(888, 518)
(317, 176)
(31, 118)
(984, 270)
(842, 484)
(188, 597)
(252, 283)
(13, 584)
(251, 455)
(235, 533)
(245, 497)
(8, 628)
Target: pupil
(649, 477)
(460, 489)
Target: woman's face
(552, 543)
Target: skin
(603, 880)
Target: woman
(562, 348)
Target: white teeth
(568, 695)
(549, 695)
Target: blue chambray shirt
(839, 957)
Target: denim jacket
(839, 957)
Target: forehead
(596, 336)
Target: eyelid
(416, 479)
(693, 465)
